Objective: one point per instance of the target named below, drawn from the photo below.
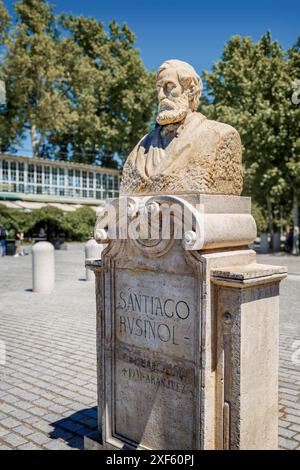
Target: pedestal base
(187, 338)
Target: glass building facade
(61, 179)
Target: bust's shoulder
(222, 129)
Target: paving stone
(57, 445)
(10, 423)
(286, 432)
(293, 419)
(23, 430)
(43, 426)
(287, 443)
(14, 440)
(70, 425)
(77, 443)
(38, 411)
(52, 417)
(285, 396)
(4, 447)
(39, 438)
(29, 446)
(20, 414)
(290, 404)
(295, 427)
(4, 431)
(25, 405)
(283, 424)
(61, 433)
(31, 419)
(7, 408)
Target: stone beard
(185, 152)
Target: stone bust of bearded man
(186, 152)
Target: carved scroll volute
(151, 223)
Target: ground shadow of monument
(72, 429)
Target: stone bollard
(92, 251)
(43, 268)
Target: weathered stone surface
(177, 339)
(222, 221)
(187, 328)
(247, 303)
(185, 152)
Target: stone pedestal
(187, 332)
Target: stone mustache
(186, 152)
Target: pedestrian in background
(3, 235)
(19, 239)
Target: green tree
(4, 29)
(111, 95)
(5, 22)
(51, 219)
(251, 88)
(14, 220)
(33, 72)
(292, 154)
(80, 224)
(81, 91)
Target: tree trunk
(35, 141)
(270, 218)
(295, 224)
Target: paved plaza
(48, 381)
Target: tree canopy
(251, 87)
(79, 89)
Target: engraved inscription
(156, 307)
(154, 329)
(152, 379)
(153, 318)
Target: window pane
(30, 174)
(77, 179)
(47, 175)
(70, 178)
(5, 170)
(98, 181)
(13, 171)
(54, 176)
(39, 174)
(61, 178)
(91, 180)
(84, 179)
(21, 172)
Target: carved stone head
(179, 89)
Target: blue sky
(192, 30)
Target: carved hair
(187, 77)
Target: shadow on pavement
(72, 429)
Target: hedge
(77, 225)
